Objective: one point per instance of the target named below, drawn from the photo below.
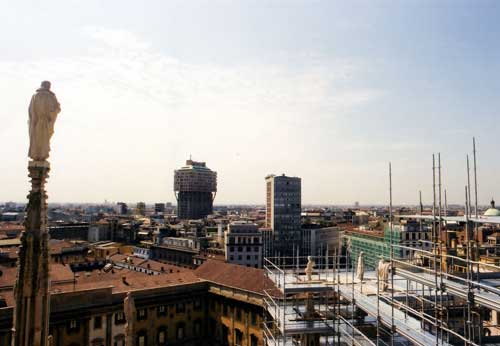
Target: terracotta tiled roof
(8, 277)
(143, 263)
(10, 252)
(237, 276)
(56, 245)
(7, 281)
(60, 272)
(125, 280)
(7, 227)
(157, 266)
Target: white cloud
(131, 115)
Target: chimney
(124, 280)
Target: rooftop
(233, 275)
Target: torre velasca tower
(195, 187)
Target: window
(256, 249)
(197, 304)
(162, 336)
(224, 309)
(119, 318)
(253, 318)
(197, 328)
(180, 307)
(97, 322)
(254, 341)
(231, 258)
(240, 249)
(180, 331)
(239, 337)
(231, 249)
(249, 248)
(142, 314)
(119, 340)
(73, 326)
(162, 310)
(141, 340)
(238, 314)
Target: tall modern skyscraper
(195, 187)
(283, 209)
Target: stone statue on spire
(43, 111)
(32, 289)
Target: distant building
(195, 186)
(159, 208)
(122, 208)
(244, 244)
(375, 244)
(360, 218)
(141, 252)
(283, 213)
(99, 231)
(11, 216)
(316, 240)
(140, 208)
(492, 210)
(70, 231)
(177, 251)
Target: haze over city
(322, 90)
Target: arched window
(162, 336)
(119, 340)
(180, 333)
(239, 337)
(142, 338)
(197, 328)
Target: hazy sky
(326, 90)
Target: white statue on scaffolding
(309, 268)
(360, 270)
(418, 259)
(383, 274)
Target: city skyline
(324, 91)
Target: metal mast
(475, 176)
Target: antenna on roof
(475, 175)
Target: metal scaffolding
(415, 295)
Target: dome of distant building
(492, 211)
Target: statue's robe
(43, 111)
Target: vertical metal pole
(476, 225)
(434, 247)
(445, 204)
(440, 321)
(378, 306)
(440, 204)
(339, 253)
(469, 292)
(475, 176)
(391, 254)
(468, 186)
(326, 263)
